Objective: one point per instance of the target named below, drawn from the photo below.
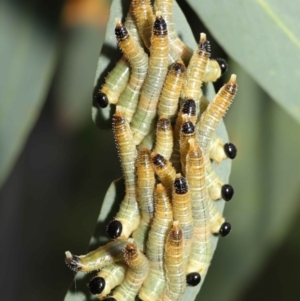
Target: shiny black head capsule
(114, 229)
(121, 32)
(230, 150)
(159, 161)
(193, 279)
(223, 65)
(225, 229)
(227, 192)
(188, 128)
(101, 99)
(180, 185)
(97, 285)
(160, 26)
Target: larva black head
(180, 185)
(121, 32)
(159, 161)
(97, 285)
(230, 150)
(193, 279)
(225, 229)
(117, 119)
(188, 128)
(227, 192)
(160, 26)
(223, 65)
(189, 107)
(101, 100)
(164, 124)
(178, 67)
(114, 229)
(204, 46)
(73, 262)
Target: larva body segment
(201, 250)
(128, 217)
(182, 212)
(139, 64)
(164, 138)
(165, 171)
(145, 196)
(143, 119)
(174, 265)
(138, 269)
(168, 100)
(107, 279)
(195, 72)
(97, 259)
(163, 218)
(144, 17)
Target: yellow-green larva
(144, 117)
(138, 60)
(163, 218)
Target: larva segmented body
(164, 138)
(97, 259)
(138, 269)
(143, 119)
(182, 212)
(162, 222)
(168, 100)
(145, 196)
(128, 217)
(165, 171)
(195, 72)
(107, 279)
(144, 17)
(201, 250)
(174, 265)
(139, 64)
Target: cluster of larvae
(165, 132)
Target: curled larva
(195, 72)
(165, 171)
(138, 269)
(107, 279)
(163, 218)
(145, 196)
(214, 70)
(168, 100)
(128, 217)
(164, 138)
(174, 265)
(97, 259)
(138, 60)
(144, 18)
(182, 212)
(201, 250)
(144, 117)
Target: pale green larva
(138, 60)
(163, 218)
(144, 117)
(138, 269)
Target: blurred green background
(54, 167)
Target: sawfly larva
(144, 117)
(128, 216)
(214, 70)
(138, 60)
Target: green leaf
(263, 37)
(28, 49)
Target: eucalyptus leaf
(28, 45)
(263, 37)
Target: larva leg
(145, 196)
(97, 259)
(143, 119)
(164, 138)
(174, 265)
(165, 171)
(182, 212)
(201, 250)
(168, 100)
(107, 279)
(138, 269)
(128, 217)
(139, 64)
(163, 218)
